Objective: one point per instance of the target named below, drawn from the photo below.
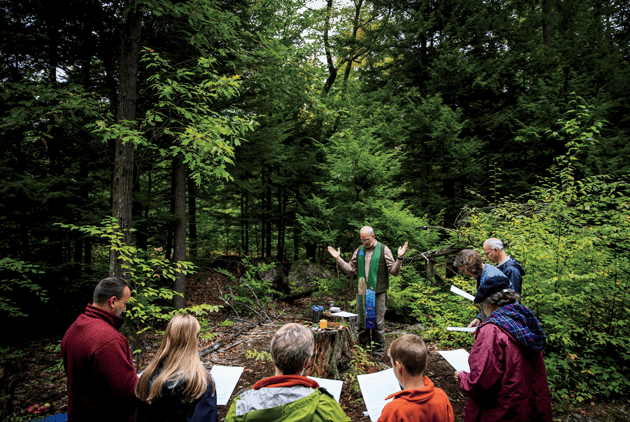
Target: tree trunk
(296, 229)
(247, 223)
(53, 43)
(547, 27)
(123, 164)
(192, 217)
(281, 222)
(332, 70)
(263, 236)
(333, 351)
(296, 241)
(179, 201)
(85, 197)
(268, 211)
(78, 249)
(141, 227)
(171, 225)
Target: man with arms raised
(374, 263)
(493, 250)
(97, 358)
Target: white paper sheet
(465, 329)
(225, 379)
(375, 387)
(458, 359)
(344, 314)
(462, 293)
(332, 386)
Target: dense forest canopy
(272, 129)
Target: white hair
(495, 243)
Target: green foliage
(184, 112)
(40, 109)
(411, 296)
(8, 353)
(359, 189)
(250, 293)
(150, 299)
(571, 235)
(334, 287)
(16, 418)
(9, 268)
(55, 348)
(359, 359)
(262, 356)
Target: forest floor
(45, 382)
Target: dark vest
(382, 279)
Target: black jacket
(171, 408)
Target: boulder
(303, 273)
(278, 279)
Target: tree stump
(333, 351)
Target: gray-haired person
(494, 251)
(288, 396)
(374, 263)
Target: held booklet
(462, 293)
(375, 387)
(458, 359)
(332, 386)
(464, 329)
(225, 380)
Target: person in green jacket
(288, 396)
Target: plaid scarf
(521, 323)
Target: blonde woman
(175, 386)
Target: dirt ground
(45, 382)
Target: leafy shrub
(9, 269)
(250, 293)
(571, 235)
(148, 277)
(335, 287)
(411, 295)
(262, 356)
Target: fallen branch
(262, 309)
(449, 250)
(295, 296)
(222, 297)
(210, 349)
(232, 345)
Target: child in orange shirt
(420, 400)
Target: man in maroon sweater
(97, 358)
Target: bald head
(367, 236)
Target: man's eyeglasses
(365, 240)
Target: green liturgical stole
(367, 290)
(376, 258)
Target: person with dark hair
(176, 386)
(507, 379)
(97, 358)
(288, 396)
(494, 251)
(420, 400)
(471, 263)
(374, 262)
